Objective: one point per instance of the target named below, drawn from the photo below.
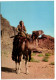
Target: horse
(23, 46)
(20, 48)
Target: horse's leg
(18, 68)
(26, 66)
(15, 65)
(29, 55)
(19, 65)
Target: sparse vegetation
(47, 54)
(4, 52)
(52, 63)
(33, 54)
(33, 60)
(40, 55)
(45, 59)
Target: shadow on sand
(5, 69)
(9, 70)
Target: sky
(36, 15)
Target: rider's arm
(18, 28)
(24, 29)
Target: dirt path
(41, 70)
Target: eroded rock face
(6, 32)
(6, 28)
(46, 42)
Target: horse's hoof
(27, 72)
(17, 72)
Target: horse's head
(36, 34)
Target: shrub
(47, 54)
(45, 59)
(40, 55)
(33, 54)
(33, 60)
(52, 63)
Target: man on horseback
(22, 30)
(22, 33)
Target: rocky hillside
(7, 31)
(46, 41)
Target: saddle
(21, 38)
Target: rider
(22, 30)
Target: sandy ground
(41, 70)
